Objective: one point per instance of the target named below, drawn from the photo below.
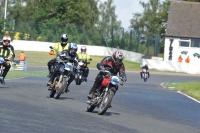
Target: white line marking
(188, 96)
(162, 84)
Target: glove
(124, 79)
(121, 83)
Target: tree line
(89, 22)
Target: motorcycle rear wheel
(105, 104)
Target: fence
(127, 39)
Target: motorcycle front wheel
(52, 93)
(90, 108)
(78, 80)
(63, 85)
(105, 104)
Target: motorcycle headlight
(80, 63)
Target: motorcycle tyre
(52, 93)
(107, 104)
(61, 89)
(78, 80)
(90, 108)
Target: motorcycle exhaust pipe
(1, 78)
(89, 102)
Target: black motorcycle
(63, 68)
(82, 64)
(144, 75)
(104, 93)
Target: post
(122, 41)
(5, 14)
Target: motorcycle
(60, 82)
(80, 71)
(104, 93)
(2, 68)
(144, 75)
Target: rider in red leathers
(112, 63)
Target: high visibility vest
(22, 56)
(84, 57)
(180, 59)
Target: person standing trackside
(22, 56)
(187, 60)
(180, 59)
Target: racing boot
(90, 96)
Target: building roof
(183, 20)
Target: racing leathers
(107, 64)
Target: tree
(150, 21)
(108, 22)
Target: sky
(125, 9)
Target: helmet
(83, 49)
(117, 57)
(64, 39)
(6, 40)
(72, 49)
(146, 65)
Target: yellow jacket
(84, 57)
(59, 48)
(6, 52)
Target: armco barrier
(92, 50)
(154, 63)
(190, 68)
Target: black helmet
(64, 39)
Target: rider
(84, 56)
(6, 52)
(147, 68)
(72, 49)
(116, 66)
(10, 46)
(60, 46)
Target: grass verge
(190, 88)
(17, 73)
(35, 58)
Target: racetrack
(137, 107)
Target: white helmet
(6, 40)
(83, 49)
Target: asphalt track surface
(137, 107)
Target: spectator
(180, 59)
(187, 60)
(22, 56)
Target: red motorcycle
(104, 93)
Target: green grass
(17, 73)
(34, 58)
(190, 88)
